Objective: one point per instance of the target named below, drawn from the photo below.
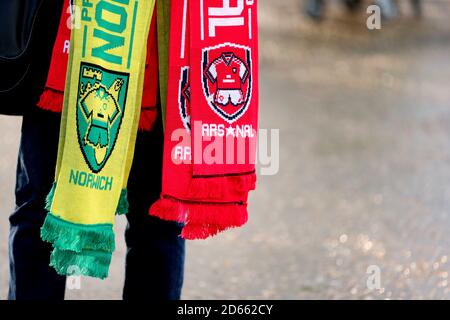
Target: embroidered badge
(100, 109)
(227, 79)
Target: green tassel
(87, 263)
(49, 198)
(123, 206)
(77, 237)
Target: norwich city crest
(100, 109)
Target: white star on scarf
(231, 131)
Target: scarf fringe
(201, 232)
(169, 209)
(51, 100)
(217, 214)
(202, 220)
(76, 237)
(215, 188)
(87, 263)
(205, 221)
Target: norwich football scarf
(103, 95)
(52, 97)
(211, 116)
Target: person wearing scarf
(209, 84)
(155, 252)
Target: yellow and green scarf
(99, 124)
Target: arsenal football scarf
(211, 116)
(103, 95)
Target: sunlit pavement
(364, 179)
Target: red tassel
(168, 209)
(217, 188)
(206, 220)
(51, 100)
(202, 220)
(199, 232)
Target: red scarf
(213, 64)
(53, 95)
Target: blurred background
(364, 179)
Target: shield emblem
(227, 79)
(100, 109)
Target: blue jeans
(154, 264)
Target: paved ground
(364, 175)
